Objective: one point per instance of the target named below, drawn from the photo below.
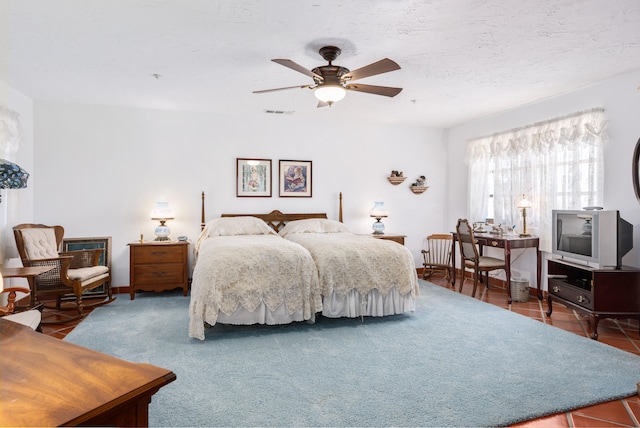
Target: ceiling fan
(330, 82)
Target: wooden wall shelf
(418, 189)
(396, 180)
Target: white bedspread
(349, 262)
(248, 271)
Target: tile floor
(622, 334)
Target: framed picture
(295, 179)
(253, 177)
(103, 242)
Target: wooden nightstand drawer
(157, 254)
(158, 266)
(162, 273)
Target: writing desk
(50, 382)
(29, 273)
(507, 243)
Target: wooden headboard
(275, 219)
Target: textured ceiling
(461, 59)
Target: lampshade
(1, 282)
(12, 176)
(378, 210)
(162, 212)
(524, 203)
(330, 93)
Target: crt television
(598, 237)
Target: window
(557, 164)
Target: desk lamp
(523, 205)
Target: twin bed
(279, 268)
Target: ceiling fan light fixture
(330, 93)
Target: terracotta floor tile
(634, 408)
(614, 411)
(579, 421)
(555, 421)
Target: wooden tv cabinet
(599, 293)
(49, 382)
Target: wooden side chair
(470, 257)
(74, 272)
(437, 255)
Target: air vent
(279, 111)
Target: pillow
(314, 225)
(230, 226)
(40, 243)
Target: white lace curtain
(10, 138)
(556, 164)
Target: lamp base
(524, 235)
(162, 233)
(378, 227)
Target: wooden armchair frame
(63, 282)
(31, 318)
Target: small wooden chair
(437, 255)
(471, 259)
(74, 271)
(30, 318)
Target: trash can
(519, 290)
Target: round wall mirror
(635, 171)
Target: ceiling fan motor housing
(331, 74)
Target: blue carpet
(456, 361)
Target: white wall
(100, 170)
(621, 100)
(23, 105)
(19, 203)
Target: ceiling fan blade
(382, 66)
(372, 89)
(297, 67)
(281, 89)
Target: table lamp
(162, 212)
(378, 212)
(524, 204)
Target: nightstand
(158, 266)
(390, 237)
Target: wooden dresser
(49, 382)
(158, 266)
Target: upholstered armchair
(73, 272)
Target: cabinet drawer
(158, 254)
(573, 294)
(165, 273)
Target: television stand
(598, 293)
